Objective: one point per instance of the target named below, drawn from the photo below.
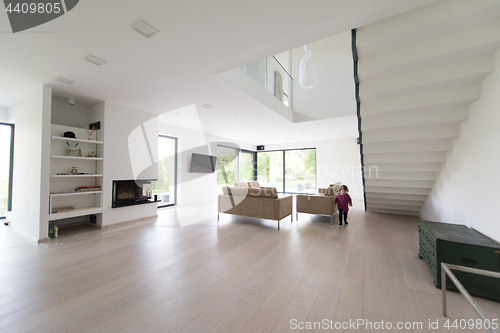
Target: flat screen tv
(202, 163)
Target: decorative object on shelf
(88, 188)
(90, 131)
(79, 153)
(69, 135)
(71, 151)
(56, 231)
(74, 171)
(307, 79)
(62, 209)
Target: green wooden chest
(460, 245)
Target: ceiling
(180, 66)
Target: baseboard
(130, 222)
(43, 240)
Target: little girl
(343, 201)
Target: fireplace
(130, 193)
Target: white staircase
(418, 73)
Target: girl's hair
(344, 188)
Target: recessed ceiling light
(236, 118)
(207, 106)
(64, 80)
(173, 113)
(144, 29)
(95, 60)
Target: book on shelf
(88, 188)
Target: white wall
(467, 189)
(30, 197)
(128, 154)
(192, 188)
(4, 114)
(336, 160)
(69, 115)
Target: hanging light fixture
(307, 79)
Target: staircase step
(408, 118)
(442, 98)
(447, 131)
(462, 45)
(425, 184)
(425, 23)
(407, 146)
(437, 77)
(405, 157)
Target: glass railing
(273, 77)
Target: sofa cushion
(240, 184)
(254, 184)
(333, 189)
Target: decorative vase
(74, 171)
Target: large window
(290, 171)
(166, 185)
(227, 171)
(6, 162)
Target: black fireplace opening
(131, 192)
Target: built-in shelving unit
(75, 176)
(76, 140)
(77, 157)
(65, 200)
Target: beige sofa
(321, 204)
(262, 203)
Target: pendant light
(307, 79)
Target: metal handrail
(445, 270)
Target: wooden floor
(242, 275)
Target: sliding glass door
(166, 186)
(6, 163)
(290, 171)
(270, 169)
(300, 171)
(247, 168)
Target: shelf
(75, 213)
(77, 140)
(54, 195)
(75, 176)
(77, 158)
